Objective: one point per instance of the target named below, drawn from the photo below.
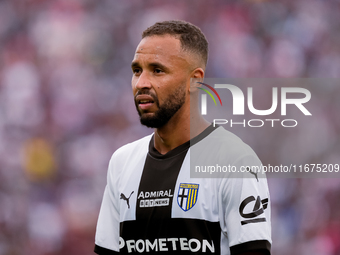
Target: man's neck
(178, 131)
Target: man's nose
(143, 82)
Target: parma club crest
(187, 195)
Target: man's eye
(136, 70)
(157, 70)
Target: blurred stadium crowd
(66, 105)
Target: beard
(165, 111)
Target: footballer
(150, 203)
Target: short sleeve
(245, 209)
(107, 232)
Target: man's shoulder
(227, 141)
(224, 148)
(140, 146)
(225, 135)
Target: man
(150, 203)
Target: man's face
(160, 75)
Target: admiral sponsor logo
(187, 195)
(154, 198)
(258, 209)
(167, 244)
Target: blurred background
(66, 105)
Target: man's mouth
(145, 102)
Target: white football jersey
(152, 205)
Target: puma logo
(253, 173)
(122, 196)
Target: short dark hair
(191, 37)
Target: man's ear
(197, 75)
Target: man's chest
(164, 189)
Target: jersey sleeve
(245, 209)
(107, 232)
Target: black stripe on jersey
(169, 236)
(103, 251)
(258, 245)
(157, 184)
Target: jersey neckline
(181, 148)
